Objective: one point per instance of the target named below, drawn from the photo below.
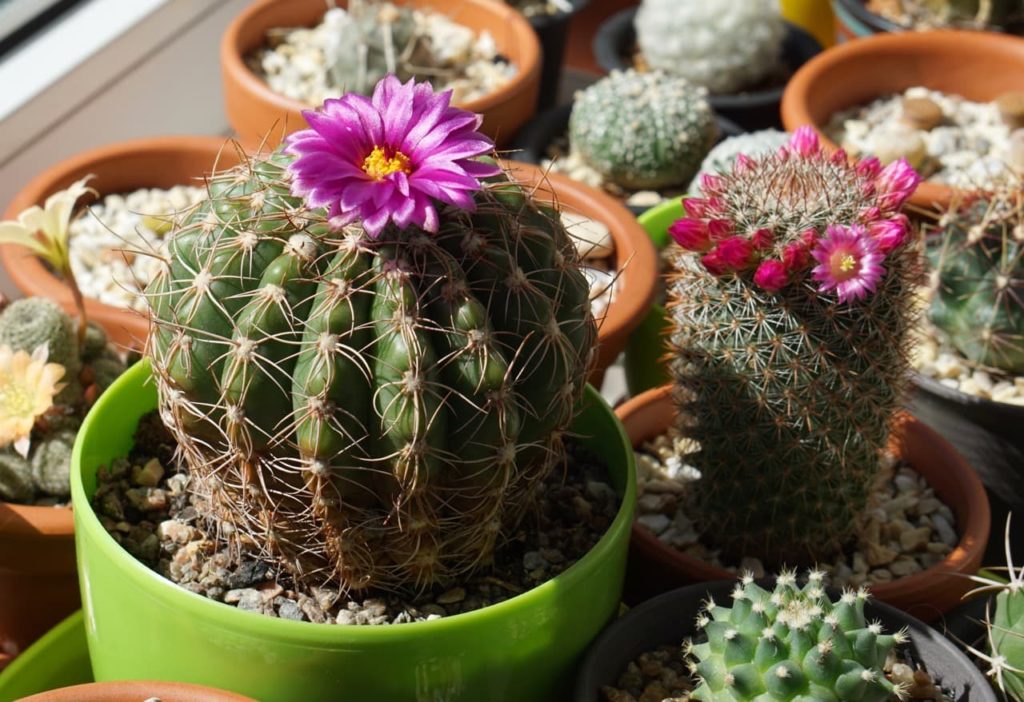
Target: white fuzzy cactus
(724, 45)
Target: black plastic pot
(752, 109)
(553, 30)
(669, 619)
(532, 141)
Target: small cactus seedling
(643, 130)
(977, 262)
(791, 314)
(724, 46)
(1005, 622)
(792, 643)
(369, 387)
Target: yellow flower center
(16, 399)
(378, 165)
(844, 265)
(847, 264)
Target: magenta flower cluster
(845, 259)
(389, 158)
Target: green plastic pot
(141, 626)
(57, 659)
(645, 353)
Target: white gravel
(108, 242)
(596, 247)
(458, 59)
(971, 147)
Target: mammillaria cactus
(724, 46)
(792, 643)
(790, 313)
(977, 262)
(643, 130)
(368, 386)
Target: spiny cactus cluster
(724, 46)
(643, 130)
(791, 643)
(791, 312)
(374, 410)
(977, 279)
(26, 325)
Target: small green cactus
(643, 130)
(106, 369)
(792, 643)
(15, 477)
(51, 463)
(33, 321)
(95, 342)
(372, 40)
(723, 46)
(977, 262)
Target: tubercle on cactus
(373, 408)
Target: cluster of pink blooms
(848, 257)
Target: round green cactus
(374, 412)
(792, 643)
(31, 322)
(15, 478)
(51, 463)
(977, 263)
(643, 130)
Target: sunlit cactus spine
(791, 643)
(977, 275)
(791, 309)
(370, 388)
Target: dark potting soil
(661, 675)
(149, 511)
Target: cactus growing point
(369, 348)
(791, 311)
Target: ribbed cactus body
(643, 130)
(51, 463)
(724, 46)
(791, 643)
(977, 264)
(370, 41)
(1006, 639)
(374, 411)
(789, 393)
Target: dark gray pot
(752, 110)
(669, 619)
(552, 31)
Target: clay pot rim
(528, 70)
(35, 520)
(796, 97)
(969, 548)
(966, 400)
(636, 260)
(29, 273)
(136, 690)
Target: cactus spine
(977, 263)
(790, 392)
(791, 643)
(643, 130)
(373, 411)
(724, 46)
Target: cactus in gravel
(724, 46)
(51, 463)
(368, 387)
(371, 40)
(977, 279)
(791, 310)
(15, 478)
(792, 643)
(724, 154)
(643, 130)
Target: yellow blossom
(44, 230)
(28, 385)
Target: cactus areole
(791, 311)
(369, 345)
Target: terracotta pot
(635, 257)
(137, 691)
(655, 567)
(161, 162)
(579, 50)
(976, 65)
(38, 580)
(261, 115)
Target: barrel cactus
(790, 315)
(977, 263)
(643, 130)
(792, 643)
(369, 346)
(724, 46)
